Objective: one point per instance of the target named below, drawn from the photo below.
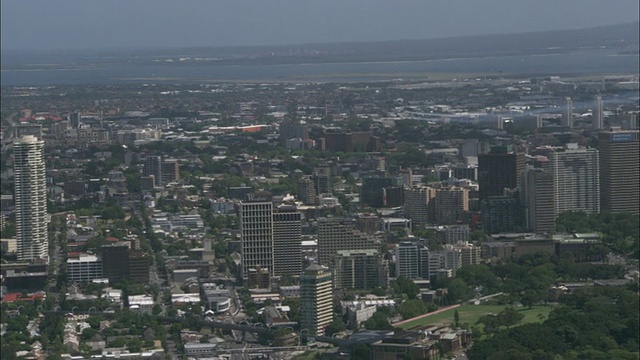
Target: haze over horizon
(76, 24)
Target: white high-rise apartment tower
(567, 116)
(597, 114)
(30, 198)
(576, 179)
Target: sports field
(471, 313)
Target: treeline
(591, 323)
(620, 231)
(526, 280)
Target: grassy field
(471, 313)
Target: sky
(101, 24)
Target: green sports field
(471, 313)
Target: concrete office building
(339, 234)
(619, 171)
(84, 268)
(316, 299)
(30, 198)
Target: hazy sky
(62, 24)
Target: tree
(379, 321)
(404, 285)
(458, 290)
(336, 326)
(412, 308)
(118, 342)
(456, 318)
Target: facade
(359, 269)
(498, 170)
(30, 199)
(619, 171)
(339, 234)
(419, 204)
(316, 299)
(287, 242)
(256, 229)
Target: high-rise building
(576, 181)
(452, 257)
(498, 170)
(597, 117)
(307, 191)
(115, 262)
(412, 260)
(567, 114)
(30, 198)
(374, 190)
(470, 255)
(256, 231)
(502, 214)
(339, 234)
(419, 204)
(619, 171)
(138, 267)
(359, 269)
(537, 195)
(452, 205)
(451, 234)
(316, 299)
(287, 242)
(83, 268)
(153, 166)
(170, 170)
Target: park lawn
(471, 313)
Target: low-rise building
(141, 303)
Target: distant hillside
(622, 38)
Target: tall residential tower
(30, 198)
